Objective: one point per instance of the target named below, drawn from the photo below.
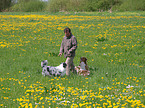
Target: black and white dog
(53, 71)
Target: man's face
(67, 33)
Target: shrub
(66, 5)
(92, 5)
(17, 7)
(108, 4)
(31, 6)
(4, 4)
(56, 5)
(132, 5)
(80, 5)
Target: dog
(53, 71)
(83, 69)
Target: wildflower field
(114, 44)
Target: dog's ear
(48, 69)
(45, 62)
(64, 65)
(42, 64)
(85, 58)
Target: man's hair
(67, 30)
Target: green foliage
(4, 4)
(73, 5)
(107, 4)
(56, 5)
(91, 5)
(77, 5)
(95, 5)
(17, 7)
(34, 6)
(67, 5)
(131, 5)
(22, 1)
(81, 5)
(103, 4)
(29, 6)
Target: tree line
(71, 5)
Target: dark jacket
(68, 46)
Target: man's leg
(72, 67)
(69, 62)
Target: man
(68, 47)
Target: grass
(113, 44)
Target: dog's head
(44, 63)
(83, 59)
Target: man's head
(67, 32)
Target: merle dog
(53, 71)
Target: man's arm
(61, 48)
(74, 45)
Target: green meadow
(113, 43)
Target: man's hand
(69, 54)
(60, 54)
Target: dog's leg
(80, 72)
(77, 69)
(43, 73)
